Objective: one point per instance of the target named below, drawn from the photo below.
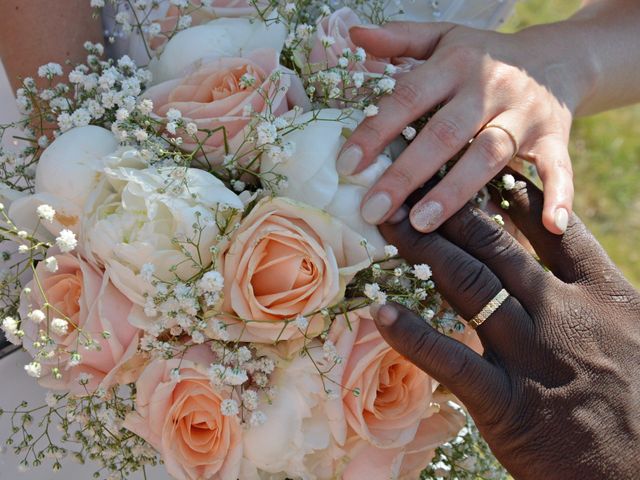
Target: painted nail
(399, 215)
(425, 217)
(349, 160)
(374, 210)
(561, 219)
(384, 315)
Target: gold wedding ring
(514, 140)
(489, 309)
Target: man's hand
(557, 392)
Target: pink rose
(394, 394)
(406, 463)
(216, 95)
(182, 419)
(390, 427)
(89, 303)
(337, 26)
(286, 259)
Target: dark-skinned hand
(557, 392)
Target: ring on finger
(514, 140)
(489, 309)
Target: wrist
(558, 56)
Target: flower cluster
(191, 274)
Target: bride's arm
(37, 32)
(611, 36)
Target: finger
(465, 282)
(415, 93)
(554, 168)
(444, 135)
(489, 152)
(575, 256)
(475, 381)
(519, 272)
(400, 39)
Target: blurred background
(605, 150)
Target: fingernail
(349, 160)
(425, 217)
(399, 215)
(383, 315)
(561, 219)
(367, 26)
(374, 209)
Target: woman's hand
(557, 392)
(525, 85)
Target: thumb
(400, 39)
(475, 381)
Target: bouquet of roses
(193, 275)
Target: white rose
(135, 215)
(294, 441)
(224, 37)
(486, 14)
(67, 173)
(312, 176)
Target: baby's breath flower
(36, 316)
(51, 264)
(66, 241)
(409, 133)
(390, 251)
(33, 369)
(508, 182)
(174, 115)
(422, 271)
(46, 212)
(60, 326)
(370, 110)
(257, 419)
(229, 407)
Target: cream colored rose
(286, 259)
(183, 420)
(139, 216)
(67, 172)
(312, 176)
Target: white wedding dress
(16, 386)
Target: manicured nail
(374, 210)
(561, 219)
(383, 315)
(399, 215)
(349, 160)
(425, 217)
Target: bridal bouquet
(192, 275)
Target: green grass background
(605, 150)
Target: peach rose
(390, 428)
(91, 305)
(394, 394)
(337, 26)
(183, 421)
(216, 95)
(286, 259)
(405, 463)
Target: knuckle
(401, 179)
(369, 135)
(494, 151)
(445, 131)
(463, 55)
(408, 95)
